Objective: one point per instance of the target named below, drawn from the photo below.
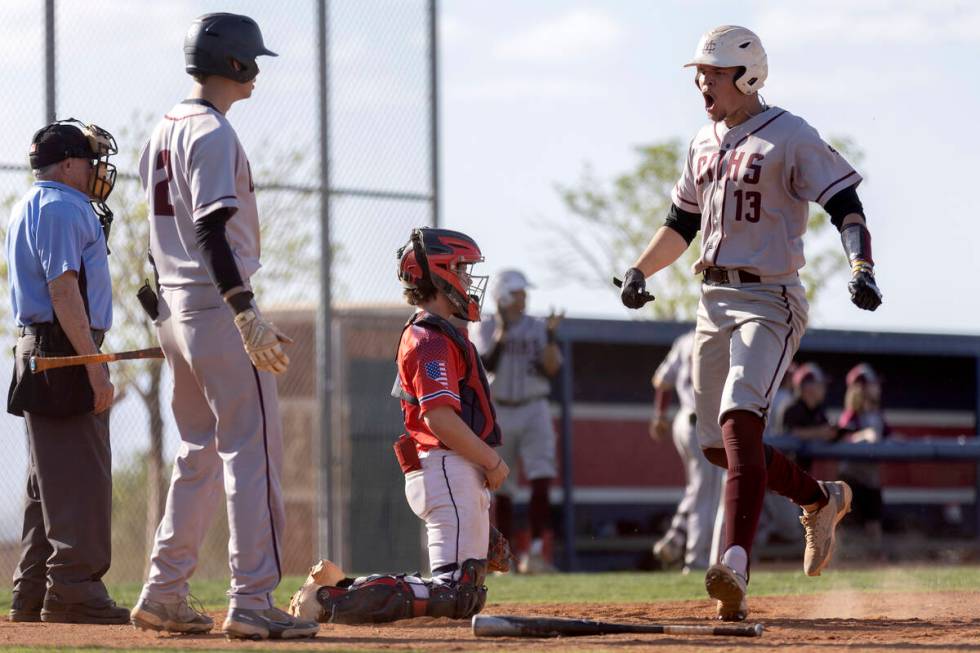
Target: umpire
(62, 303)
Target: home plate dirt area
(864, 621)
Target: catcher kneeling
(447, 451)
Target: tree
(611, 222)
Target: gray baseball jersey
(752, 184)
(225, 409)
(193, 165)
(517, 377)
(676, 370)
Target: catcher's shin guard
(461, 598)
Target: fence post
(324, 336)
(434, 108)
(50, 108)
(567, 480)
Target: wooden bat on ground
(501, 626)
(41, 363)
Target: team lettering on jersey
(720, 165)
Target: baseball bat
(646, 296)
(503, 626)
(41, 363)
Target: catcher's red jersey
(432, 371)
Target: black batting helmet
(214, 40)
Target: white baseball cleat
(535, 563)
(820, 526)
(668, 550)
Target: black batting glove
(634, 293)
(864, 291)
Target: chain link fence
(119, 64)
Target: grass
(636, 587)
(628, 587)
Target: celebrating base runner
(746, 185)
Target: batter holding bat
(746, 185)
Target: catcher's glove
(864, 291)
(499, 557)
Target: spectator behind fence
(806, 417)
(863, 421)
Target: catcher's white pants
(746, 337)
(450, 495)
(230, 439)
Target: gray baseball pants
(231, 438)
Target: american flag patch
(436, 370)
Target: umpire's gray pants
(66, 541)
(227, 413)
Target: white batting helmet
(733, 46)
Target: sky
(531, 94)
(534, 91)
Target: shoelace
(195, 605)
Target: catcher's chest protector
(474, 393)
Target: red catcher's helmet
(444, 258)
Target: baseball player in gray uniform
(689, 536)
(204, 243)
(521, 355)
(746, 185)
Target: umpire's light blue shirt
(52, 230)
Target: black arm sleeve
(492, 357)
(842, 205)
(685, 223)
(210, 232)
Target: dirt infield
(864, 621)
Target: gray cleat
(176, 617)
(271, 623)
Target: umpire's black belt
(43, 329)
(723, 277)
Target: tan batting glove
(263, 341)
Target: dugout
(624, 487)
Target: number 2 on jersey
(752, 199)
(161, 190)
